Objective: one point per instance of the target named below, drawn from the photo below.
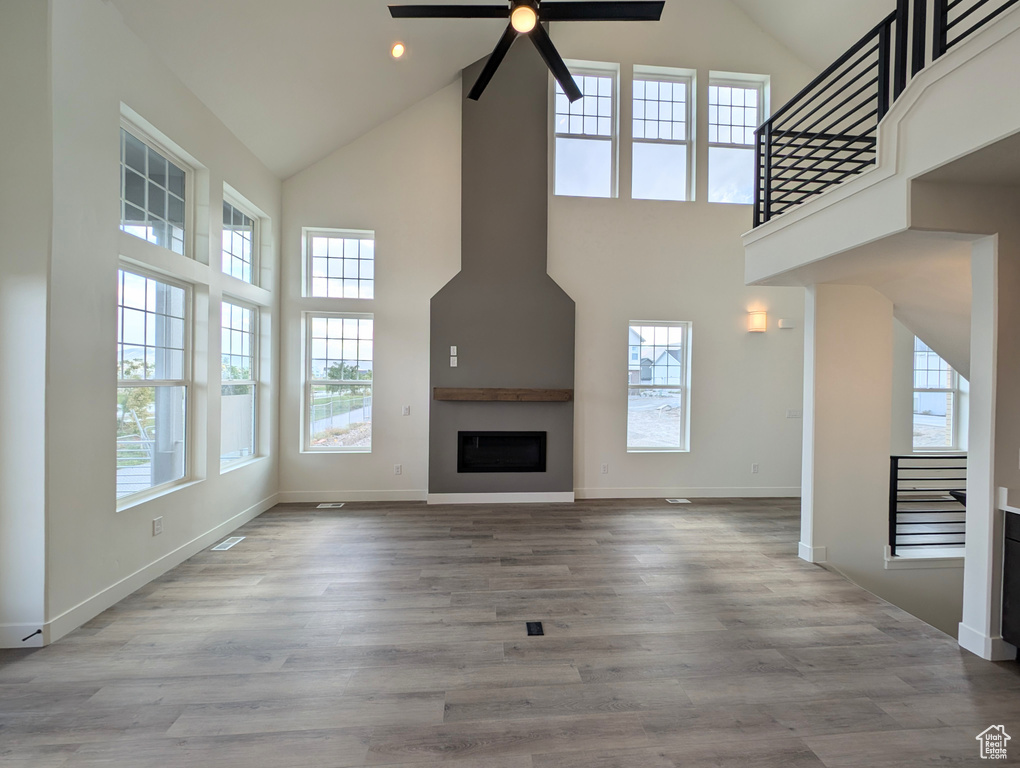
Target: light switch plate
(453, 351)
(453, 362)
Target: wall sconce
(757, 322)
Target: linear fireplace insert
(501, 451)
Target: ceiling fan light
(523, 18)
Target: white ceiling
(296, 79)
(817, 31)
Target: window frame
(307, 236)
(591, 69)
(246, 209)
(689, 79)
(186, 382)
(253, 382)
(309, 381)
(954, 393)
(748, 81)
(146, 137)
(684, 386)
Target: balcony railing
(927, 501)
(827, 133)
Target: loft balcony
(925, 97)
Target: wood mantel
(503, 394)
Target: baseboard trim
(980, 644)
(688, 492)
(552, 497)
(11, 635)
(811, 554)
(88, 609)
(320, 497)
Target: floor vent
(534, 628)
(228, 543)
(331, 505)
(679, 501)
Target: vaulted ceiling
(295, 80)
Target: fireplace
(501, 333)
(501, 451)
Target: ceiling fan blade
(606, 10)
(495, 59)
(449, 11)
(552, 59)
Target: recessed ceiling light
(397, 50)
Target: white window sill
(314, 451)
(658, 450)
(928, 557)
(230, 466)
(143, 497)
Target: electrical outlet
(453, 351)
(605, 469)
(794, 413)
(453, 362)
(754, 469)
(398, 469)
(157, 526)
(405, 411)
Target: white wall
(96, 554)
(624, 260)
(401, 180)
(619, 259)
(26, 184)
(851, 360)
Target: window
(735, 109)
(152, 386)
(339, 382)
(238, 243)
(936, 400)
(340, 265)
(238, 380)
(585, 146)
(152, 191)
(662, 138)
(658, 381)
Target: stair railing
(927, 501)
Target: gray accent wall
(513, 326)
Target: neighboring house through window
(658, 399)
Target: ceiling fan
(525, 19)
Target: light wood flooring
(394, 635)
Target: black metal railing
(927, 501)
(827, 133)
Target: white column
(982, 576)
(807, 549)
